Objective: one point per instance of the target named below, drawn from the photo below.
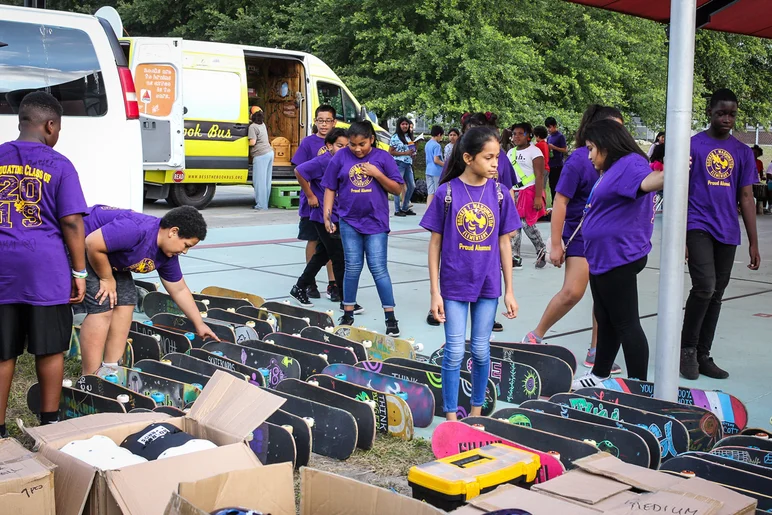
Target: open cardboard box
(26, 480)
(226, 413)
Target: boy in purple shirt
(722, 173)
(41, 223)
(119, 242)
(557, 145)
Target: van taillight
(129, 93)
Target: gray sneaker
(589, 362)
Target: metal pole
(40, 4)
(678, 134)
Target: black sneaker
(334, 295)
(301, 296)
(346, 319)
(409, 212)
(392, 329)
(710, 369)
(431, 320)
(313, 292)
(517, 263)
(689, 368)
(497, 327)
(330, 288)
(400, 213)
(358, 310)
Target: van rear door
(157, 68)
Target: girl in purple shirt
(617, 228)
(469, 248)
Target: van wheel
(196, 195)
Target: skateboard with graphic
(620, 443)
(363, 413)
(73, 352)
(392, 414)
(309, 363)
(240, 331)
(758, 457)
(333, 353)
(434, 382)
(672, 435)
(157, 302)
(281, 445)
(74, 403)
(261, 327)
(198, 366)
(278, 366)
(704, 427)
(729, 409)
(568, 449)
(452, 437)
(320, 335)
(165, 392)
(730, 462)
(168, 340)
(169, 371)
(555, 351)
(284, 323)
(419, 396)
(143, 288)
(333, 430)
(379, 346)
(300, 431)
(551, 408)
(515, 382)
(216, 291)
(144, 346)
(314, 318)
(213, 301)
(95, 384)
(753, 442)
(217, 359)
(183, 324)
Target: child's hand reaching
(438, 308)
(511, 305)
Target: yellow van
(194, 103)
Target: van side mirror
(362, 116)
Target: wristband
(79, 275)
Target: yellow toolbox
(449, 482)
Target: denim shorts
(432, 183)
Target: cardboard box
(226, 413)
(26, 481)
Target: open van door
(156, 64)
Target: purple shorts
(576, 249)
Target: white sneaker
(588, 380)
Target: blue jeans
(356, 247)
(406, 170)
(483, 314)
(262, 172)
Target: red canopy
(750, 17)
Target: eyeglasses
(325, 121)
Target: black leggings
(615, 294)
(329, 248)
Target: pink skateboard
(451, 438)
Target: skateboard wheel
(367, 344)
(123, 398)
(270, 341)
(218, 353)
(112, 378)
(137, 369)
(688, 473)
(250, 323)
(418, 347)
(190, 336)
(370, 403)
(329, 313)
(156, 337)
(287, 302)
(265, 372)
(287, 427)
(554, 454)
(307, 320)
(762, 435)
(342, 377)
(479, 426)
(402, 395)
(231, 310)
(67, 383)
(329, 329)
(323, 356)
(309, 421)
(203, 314)
(167, 361)
(313, 382)
(205, 302)
(158, 397)
(591, 442)
(148, 322)
(197, 385)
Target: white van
(78, 59)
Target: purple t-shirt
(313, 172)
(132, 241)
(362, 202)
(557, 139)
(720, 168)
(470, 265)
(575, 182)
(38, 187)
(310, 147)
(618, 226)
(506, 172)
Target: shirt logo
(719, 163)
(475, 222)
(358, 176)
(322, 150)
(145, 266)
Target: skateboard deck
(301, 433)
(95, 384)
(730, 462)
(199, 366)
(284, 323)
(419, 397)
(144, 346)
(451, 438)
(564, 411)
(550, 350)
(309, 363)
(315, 318)
(174, 393)
(216, 291)
(143, 288)
(240, 331)
(169, 371)
(758, 457)
(569, 449)
(753, 442)
(214, 301)
(147, 285)
(703, 426)
(730, 411)
(363, 413)
(141, 410)
(73, 352)
(320, 335)
(755, 431)
(253, 375)
(434, 381)
(170, 340)
(181, 323)
(333, 353)
(157, 302)
(392, 414)
(672, 435)
(261, 327)
(74, 403)
(381, 346)
(279, 366)
(281, 445)
(170, 410)
(333, 430)
(515, 382)
(620, 443)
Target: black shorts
(307, 230)
(124, 289)
(44, 329)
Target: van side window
(213, 96)
(59, 60)
(335, 96)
